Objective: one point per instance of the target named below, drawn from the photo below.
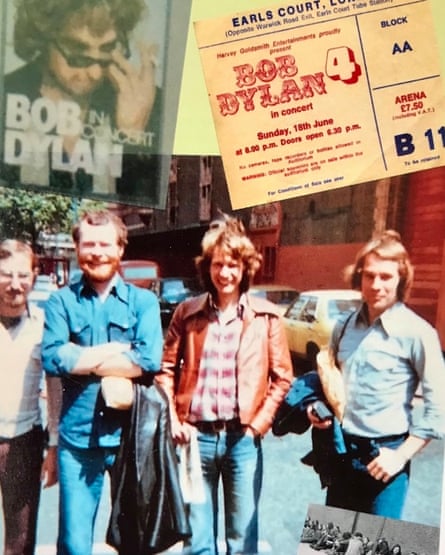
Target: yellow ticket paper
(320, 94)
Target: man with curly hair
(226, 368)
(81, 117)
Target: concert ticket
(314, 95)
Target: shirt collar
(213, 307)
(116, 287)
(388, 320)
(109, 290)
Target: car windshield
(177, 285)
(281, 296)
(294, 310)
(338, 306)
(174, 286)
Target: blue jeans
(355, 489)
(237, 459)
(81, 477)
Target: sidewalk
(104, 549)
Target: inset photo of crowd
(334, 531)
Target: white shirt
(21, 379)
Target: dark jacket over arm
(147, 514)
(327, 445)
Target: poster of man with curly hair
(84, 96)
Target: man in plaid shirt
(226, 368)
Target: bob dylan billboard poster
(83, 98)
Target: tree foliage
(25, 214)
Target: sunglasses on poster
(74, 59)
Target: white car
(280, 295)
(310, 319)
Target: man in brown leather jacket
(226, 368)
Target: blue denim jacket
(76, 318)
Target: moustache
(103, 259)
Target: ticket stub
(314, 95)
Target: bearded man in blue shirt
(384, 351)
(96, 326)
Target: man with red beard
(96, 326)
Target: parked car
(310, 319)
(173, 290)
(281, 295)
(143, 273)
(43, 287)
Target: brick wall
(424, 235)
(314, 266)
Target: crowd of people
(330, 539)
(121, 397)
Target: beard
(12, 304)
(99, 269)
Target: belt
(378, 439)
(362, 450)
(215, 426)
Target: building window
(172, 194)
(146, 217)
(205, 188)
(265, 216)
(172, 203)
(269, 262)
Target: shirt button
(101, 413)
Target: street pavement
(288, 488)
(305, 549)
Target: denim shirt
(75, 317)
(382, 365)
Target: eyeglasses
(74, 59)
(20, 276)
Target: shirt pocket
(80, 329)
(382, 370)
(382, 361)
(122, 327)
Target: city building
(305, 241)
